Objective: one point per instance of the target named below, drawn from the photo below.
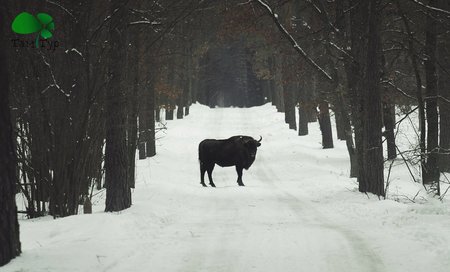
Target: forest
(89, 93)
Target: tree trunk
(132, 135)
(340, 131)
(341, 106)
(444, 108)
(311, 105)
(302, 121)
(373, 177)
(431, 168)
(325, 125)
(389, 127)
(157, 113)
(9, 235)
(342, 97)
(444, 91)
(143, 129)
(444, 129)
(180, 110)
(151, 146)
(388, 113)
(289, 98)
(267, 92)
(133, 83)
(279, 99)
(311, 114)
(169, 112)
(118, 193)
(354, 71)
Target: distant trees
(375, 53)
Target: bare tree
(431, 170)
(118, 192)
(9, 235)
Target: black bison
(239, 151)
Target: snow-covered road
(265, 226)
(299, 211)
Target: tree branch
(293, 42)
(431, 7)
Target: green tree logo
(26, 23)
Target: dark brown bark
(388, 114)
(151, 146)
(444, 129)
(157, 113)
(444, 91)
(143, 129)
(147, 120)
(169, 113)
(389, 127)
(325, 125)
(289, 90)
(302, 121)
(340, 131)
(355, 73)
(341, 106)
(341, 97)
(133, 85)
(444, 106)
(278, 90)
(312, 113)
(180, 110)
(87, 206)
(9, 227)
(132, 133)
(431, 168)
(372, 179)
(118, 193)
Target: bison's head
(252, 145)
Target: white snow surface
(299, 211)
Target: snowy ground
(299, 211)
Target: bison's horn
(260, 139)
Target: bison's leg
(202, 174)
(239, 172)
(210, 168)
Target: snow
(299, 211)
(76, 51)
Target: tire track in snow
(359, 248)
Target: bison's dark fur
(239, 151)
